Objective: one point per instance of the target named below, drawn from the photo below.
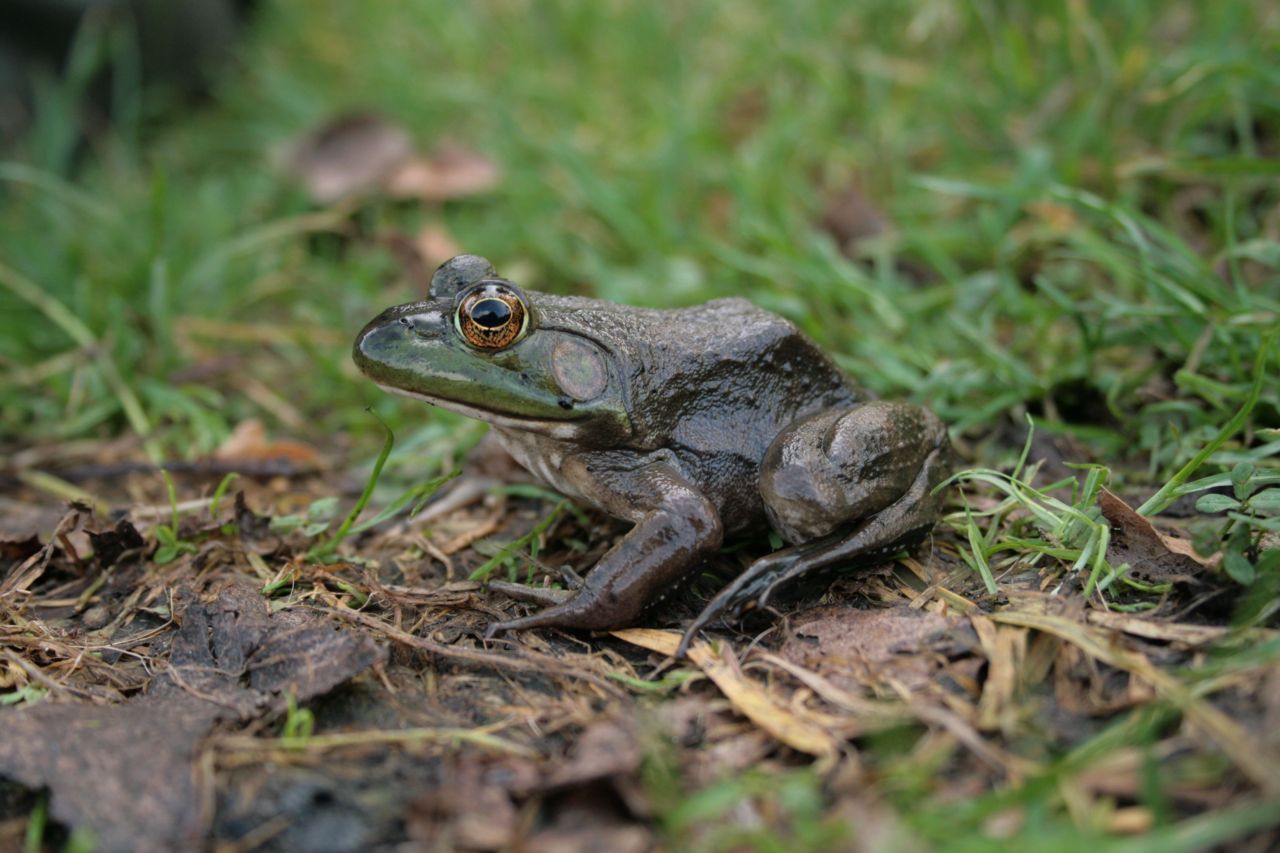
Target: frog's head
(477, 347)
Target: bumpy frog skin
(694, 424)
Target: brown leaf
(454, 172)
(435, 245)
(124, 771)
(110, 545)
(606, 749)
(1059, 218)
(1255, 761)
(616, 838)
(587, 820)
(22, 575)
(1151, 555)
(1155, 629)
(850, 644)
(15, 549)
(249, 442)
(748, 696)
(850, 217)
(474, 809)
(129, 772)
(1005, 648)
(255, 530)
(22, 519)
(234, 649)
(350, 155)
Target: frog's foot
(674, 526)
(749, 586)
(564, 614)
(901, 524)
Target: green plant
(299, 724)
(510, 555)
(170, 545)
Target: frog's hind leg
(877, 502)
(674, 526)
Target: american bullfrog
(693, 424)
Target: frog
(695, 425)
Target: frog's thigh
(841, 465)
(889, 529)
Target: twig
(441, 734)
(529, 662)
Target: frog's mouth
(561, 429)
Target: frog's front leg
(674, 526)
(844, 486)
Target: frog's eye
(491, 315)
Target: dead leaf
(110, 545)
(435, 245)
(473, 810)
(1005, 648)
(123, 771)
(1226, 733)
(862, 647)
(350, 155)
(1059, 218)
(25, 573)
(606, 749)
(1169, 632)
(15, 549)
(879, 827)
(1084, 687)
(590, 819)
(248, 442)
(254, 530)
(747, 696)
(850, 218)
(22, 519)
(12, 676)
(130, 774)
(1151, 555)
(234, 649)
(453, 172)
(616, 838)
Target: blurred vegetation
(1082, 203)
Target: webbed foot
(900, 525)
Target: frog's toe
(584, 609)
(746, 589)
(533, 620)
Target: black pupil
(490, 313)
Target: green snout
(414, 348)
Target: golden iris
(491, 315)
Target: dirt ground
(218, 686)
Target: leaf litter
(247, 696)
(361, 154)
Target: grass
(1086, 232)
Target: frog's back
(728, 374)
(714, 384)
(709, 367)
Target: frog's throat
(563, 430)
